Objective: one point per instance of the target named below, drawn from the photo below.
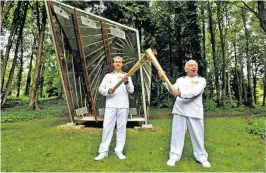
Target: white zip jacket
(119, 99)
(190, 102)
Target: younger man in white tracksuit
(116, 109)
(188, 114)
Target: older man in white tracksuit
(116, 109)
(188, 114)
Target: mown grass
(37, 146)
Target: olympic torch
(157, 65)
(138, 64)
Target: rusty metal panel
(86, 45)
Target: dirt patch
(92, 129)
(140, 129)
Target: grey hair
(189, 62)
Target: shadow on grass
(99, 124)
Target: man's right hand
(111, 90)
(161, 74)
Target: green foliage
(209, 105)
(231, 109)
(257, 126)
(17, 110)
(163, 98)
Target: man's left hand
(176, 93)
(125, 79)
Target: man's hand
(161, 74)
(125, 79)
(176, 93)
(111, 90)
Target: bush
(257, 126)
(209, 105)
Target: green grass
(37, 146)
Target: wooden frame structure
(85, 45)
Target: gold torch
(157, 65)
(138, 64)
(149, 55)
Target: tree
(222, 34)
(35, 83)
(214, 55)
(264, 80)
(11, 73)
(13, 30)
(5, 8)
(261, 14)
(19, 77)
(247, 35)
(27, 88)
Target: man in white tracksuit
(116, 109)
(188, 114)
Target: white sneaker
(171, 162)
(101, 156)
(120, 156)
(206, 164)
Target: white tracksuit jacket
(190, 102)
(119, 99)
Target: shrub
(257, 126)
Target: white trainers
(206, 164)
(120, 156)
(171, 162)
(101, 156)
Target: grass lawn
(37, 146)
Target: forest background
(227, 38)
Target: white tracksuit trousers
(114, 116)
(196, 130)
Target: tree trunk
(214, 55)
(228, 85)
(238, 78)
(27, 89)
(204, 41)
(35, 83)
(222, 41)
(264, 81)
(12, 70)
(254, 87)
(262, 14)
(42, 80)
(5, 8)
(13, 30)
(20, 68)
(250, 98)
(11, 73)
(61, 92)
(204, 61)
